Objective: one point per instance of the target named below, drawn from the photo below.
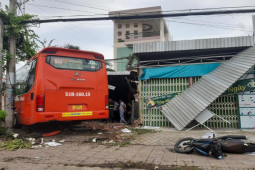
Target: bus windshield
(71, 63)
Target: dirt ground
(89, 131)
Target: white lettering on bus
(77, 94)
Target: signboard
(246, 105)
(242, 86)
(246, 101)
(160, 100)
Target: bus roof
(54, 50)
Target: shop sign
(160, 100)
(242, 86)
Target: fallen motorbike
(215, 147)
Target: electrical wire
(209, 25)
(202, 9)
(183, 10)
(92, 37)
(75, 4)
(68, 9)
(222, 24)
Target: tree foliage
(26, 46)
(70, 46)
(45, 43)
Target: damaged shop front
(166, 69)
(123, 85)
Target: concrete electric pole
(1, 57)
(10, 76)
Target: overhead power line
(76, 4)
(218, 23)
(68, 9)
(211, 25)
(129, 17)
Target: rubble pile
(110, 133)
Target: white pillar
(162, 29)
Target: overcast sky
(98, 36)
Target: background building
(128, 32)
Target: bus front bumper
(68, 116)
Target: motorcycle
(215, 147)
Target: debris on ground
(61, 141)
(53, 143)
(94, 140)
(150, 128)
(126, 130)
(137, 123)
(41, 141)
(15, 135)
(51, 133)
(97, 132)
(36, 146)
(31, 140)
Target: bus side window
(31, 77)
(25, 78)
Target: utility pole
(1, 58)
(10, 76)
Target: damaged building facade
(182, 80)
(220, 66)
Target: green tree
(45, 43)
(26, 46)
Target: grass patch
(125, 143)
(142, 131)
(120, 144)
(15, 144)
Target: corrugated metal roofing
(213, 43)
(182, 109)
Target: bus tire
(16, 123)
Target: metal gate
(225, 106)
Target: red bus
(61, 85)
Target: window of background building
(136, 33)
(135, 24)
(127, 25)
(127, 34)
(119, 33)
(119, 26)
